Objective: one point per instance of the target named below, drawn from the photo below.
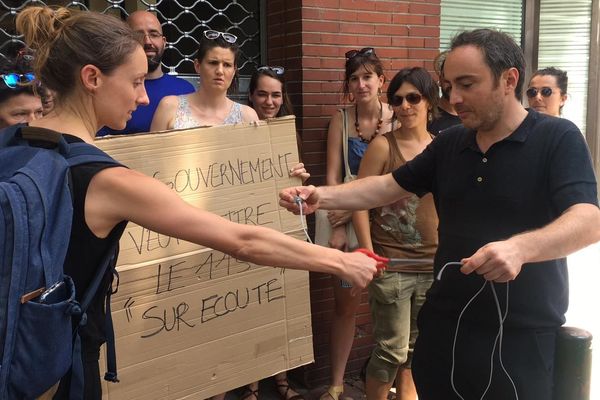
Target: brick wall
(309, 38)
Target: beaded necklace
(357, 126)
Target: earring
(351, 98)
(379, 92)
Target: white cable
(300, 203)
(497, 341)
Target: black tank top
(85, 253)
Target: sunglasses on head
(277, 70)
(14, 80)
(545, 92)
(412, 98)
(228, 37)
(367, 51)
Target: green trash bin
(573, 364)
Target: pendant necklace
(357, 126)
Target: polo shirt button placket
(480, 178)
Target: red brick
(393, 53)
(320, 75)
(311, 37)
(321, 3)
(315, 147)
(329, 110)
(432, 43)
(312, 50)
(331, 63)
(408, 19)
(422, 54)
(358, 4)
(429, 9)
(320, 14)
(350, 16)
(339, 40)
(320, 26)
(376, 17)
(358, 28)
(313, 87)
(394, 29)
(432, 20)
(408, 42)
(322, 98)
(333, 87)
(392, 6)
(318, 134)
(311, 62)
(424, 31)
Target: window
(564, 42)
(460, 15)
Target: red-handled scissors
(383, 262)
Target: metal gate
(183, 22)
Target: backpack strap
(83, 153)
(108, 264)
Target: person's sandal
(249, 394)
(333, 392)
(285, 385)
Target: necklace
(357, 126)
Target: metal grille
(183, 22)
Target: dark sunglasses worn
(277, 70)
(228, 37)
(14, 80)
(545, 92)
(367, 51)
(412, 98)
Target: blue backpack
(38, 344)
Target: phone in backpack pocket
(54, 294)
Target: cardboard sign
(192, 322)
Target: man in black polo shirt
(515, 193)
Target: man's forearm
(362, 194)
(576, 228)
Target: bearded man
(157, 83)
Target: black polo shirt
(521, 183)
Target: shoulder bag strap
(345, 141)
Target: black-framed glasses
(13, 80)
(228, 37)
(277, 70)
(411, 98)
(545, 92)
(367, 51)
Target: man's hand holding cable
(308, 194)
(496, 261)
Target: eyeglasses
(412, 98)
(277, 70)
(545, 92)
(228, 37)
(367, 51)
(152, 35)
(14, 80)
